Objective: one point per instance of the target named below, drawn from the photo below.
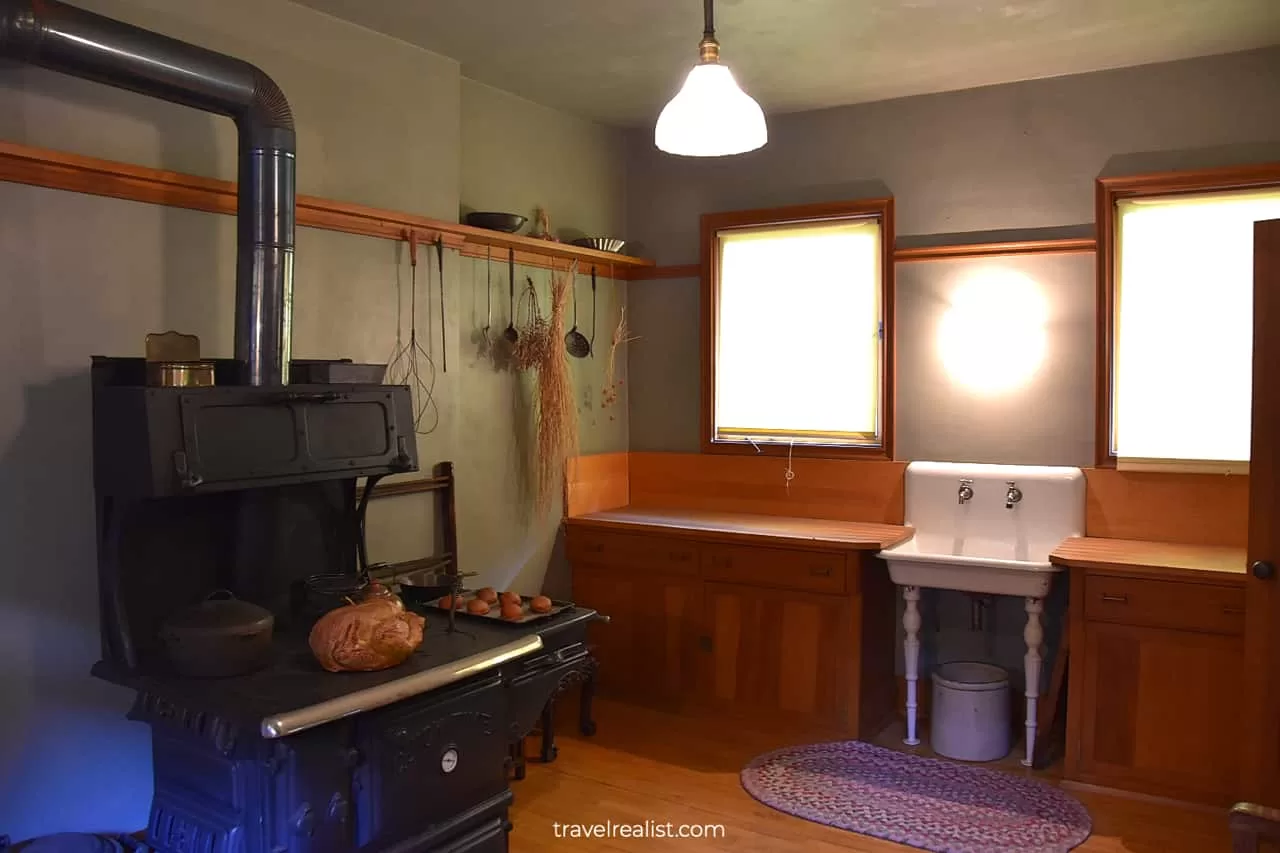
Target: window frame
(1110, 191)
(711, 225)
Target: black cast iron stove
(253, 490)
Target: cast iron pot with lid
(221, 636)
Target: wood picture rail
(25, 164)
(41, 167)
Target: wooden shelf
(42, 167)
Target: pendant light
(710, 116)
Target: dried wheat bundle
(557, 411)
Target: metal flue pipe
(64, 38)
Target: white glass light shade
(710, 117)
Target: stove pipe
(70, 40)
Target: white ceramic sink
(983, 545)
(996, 541)
(914, 563)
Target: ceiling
(618, 61)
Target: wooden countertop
(783, 530)
(1153, 559)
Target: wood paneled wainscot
(765, 617)
(1156, 671)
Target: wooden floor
(647, 765)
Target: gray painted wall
(380, 123)
(1018, 157)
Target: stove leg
(586, 724)
(549, 750)
(517, 759)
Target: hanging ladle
(511, 334)
(575, 342)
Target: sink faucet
(1012, 496)
(966, 491)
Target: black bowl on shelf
(509, 223)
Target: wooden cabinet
(1155, 701)
(649, 650)
(798, 634)
(777, 652)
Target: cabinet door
(647, 651)
(1162, 711)
(777, 652)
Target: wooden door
(648, 650)
(1158, 715)
(776, 653)
(1261, 744)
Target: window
(797, 314)
(1178, 285)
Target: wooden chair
(1251, 823)
(443, 484)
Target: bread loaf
(377, 633)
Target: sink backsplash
(1051, 508)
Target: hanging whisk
(411, 364)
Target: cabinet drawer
(641, 551)
(1164, 604)
(782, 568)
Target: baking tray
(495, 611)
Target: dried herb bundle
(535, 341)
(621, 337)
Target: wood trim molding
(677, 271)
(910, 254)
(42, 167)
(713, 223)
(1061, 246)
(1107, 192)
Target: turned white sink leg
(1033, 634)
(911, 656)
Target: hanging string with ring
(790, 474)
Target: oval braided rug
(921, 802)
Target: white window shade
(798, 348)
(1183, 345)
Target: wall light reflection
(992, 338)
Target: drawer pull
(721, 562)
(1233, 611)
(820, 571)
(595, 548)
(1119, 599)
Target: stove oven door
(234, 438)
(432, 769)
